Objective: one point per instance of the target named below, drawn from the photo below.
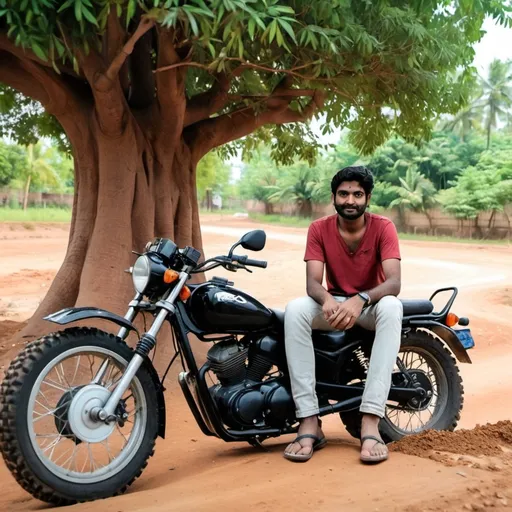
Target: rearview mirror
(254, 240)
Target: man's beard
(358, 211)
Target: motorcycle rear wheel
(448, 388)
(48, 440)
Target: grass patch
(34, 214)
(430, 238)
(283, 220)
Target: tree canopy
(381, 66)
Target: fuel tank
(223, 309)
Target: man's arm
(347, 314)
(315, 289)
(392, 284)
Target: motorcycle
(80, 410)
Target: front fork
(144, 346)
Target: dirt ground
(470, 469)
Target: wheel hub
(83, 424)
(62, 414)
(420, 380)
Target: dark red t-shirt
(349, 273)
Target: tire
(425, 343)
(40, 475)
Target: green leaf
(57, 70)
(272, 32)
(130, 11)
(284, 8)
(199, 10)
(89, 16)
(240, 48)
(65, 5)
(59, 46)
(39, 51)
(193, 22)
(76, 67)
(288, 28)
(279, 37)
(251, 26)
(78, 10)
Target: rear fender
(69, 315)
(449, 337)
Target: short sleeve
(314, 246)
(389, 246)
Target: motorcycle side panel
(219, 309)
(69, 315)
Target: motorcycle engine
(244, 399)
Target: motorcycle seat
(411, 307)
(417, 307)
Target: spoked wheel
(431, 366)
(50, 435)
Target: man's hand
(346, 314)
(330, 306)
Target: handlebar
(244, 260)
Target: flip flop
(373, 459)
(304, 457)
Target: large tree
(144, 88)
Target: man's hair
(361, 174)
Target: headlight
(141, 273)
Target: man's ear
(368, 199)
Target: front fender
(68, 315)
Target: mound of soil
(482, 440)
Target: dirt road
(191, 472)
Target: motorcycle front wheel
(50, 439)
(432, 365)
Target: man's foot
(373, 448)
(302, 448)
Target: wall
(442, 223)
(8, 196)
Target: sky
(495, 44)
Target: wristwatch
(365, 297)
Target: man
(360, 254)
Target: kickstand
(256, 443)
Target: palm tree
(302, 185)
(466, 119)
(416, 193)
(37, 166)
(497, 95)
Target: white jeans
(304, 314)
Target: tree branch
(107, 78)
(13, 75)
(26, 54)
(203, 105)
(170, 87)
(214, 132)
(113, 41)
(53, 92)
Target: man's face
(350, 200)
